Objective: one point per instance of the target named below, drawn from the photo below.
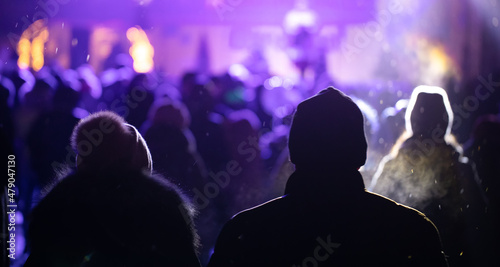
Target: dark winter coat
(329, 222)
(123, 218)
(437, 183)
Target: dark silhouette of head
(429, 109)
(171, 113)
(487, 127)
(327, 132)
(486, 141)
(104, 141)
(199, 102)
(187, 83)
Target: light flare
(141, 51)
(31, 46)
(435, 64)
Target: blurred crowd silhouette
(214, 145)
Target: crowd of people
(131, 169)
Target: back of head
(429, 109)
(327, 132)
(486, 138)
(105, 141)
(199, 101)
(487, 127)
(171, 113)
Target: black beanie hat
(327, 132)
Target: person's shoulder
(387, 206)
(65, 181)
(144, 187)
(264, 209)
(259, 214)
(410, 229)
(403, 220)
(115, 184)
(251, 222)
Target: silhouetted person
(206, 126)
(208, 131)
(35, 100)
(138, 100)
(245, 189)
(173, 147)
(46, 141)
(49, 135)
(484, 151)
(241, 182)
(90, 88)
(426, 171)
(326, 217)
(112, 211)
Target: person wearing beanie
(326, 217)
(112, 211)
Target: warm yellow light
(37, 49)
(440, 62)
(23, 50)
(31, 53)
(435, 64)
(133, 34)
(102, 41)
(141, 51)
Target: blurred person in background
(427, 171)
